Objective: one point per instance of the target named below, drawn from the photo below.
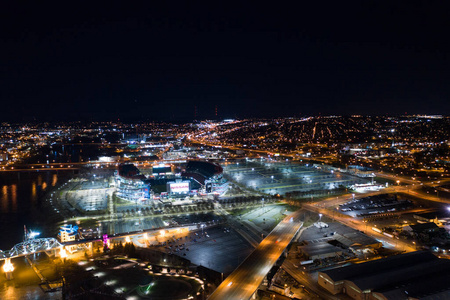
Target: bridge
(31, 246)
(27, 247)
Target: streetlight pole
(320, 225)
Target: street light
(62, 253)
(8, 268)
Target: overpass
(245, 280)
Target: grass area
(119, 201)
(240, 211)
(272, 216)
(290, 207)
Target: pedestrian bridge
(31, 246)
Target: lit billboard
(179, 187)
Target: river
(23, 202)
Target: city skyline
(205, 210)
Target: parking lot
(378, 204)
(274, 177)
(89, 196)
(314, 234)
(218, 248)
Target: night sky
(83, 61)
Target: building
(282, 289)
(3, 156)
(336, 244)
(357, 241)
(424, 228)
(68, 233)
(440, 217)
(320, 250)
(131, 184)
(207, 174)
(414, 275)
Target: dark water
(23, 202)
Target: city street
(244, 281)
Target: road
(245, 280)
(428, 197)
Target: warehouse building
(414, 275)
(320, 250)
(357, 241)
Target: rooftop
(417, 274)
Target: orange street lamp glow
(8, 266)
(62, 252)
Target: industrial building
(333, 246)
(424, 228)
(357, 240)
(414, 275)
(440, 217)
(320, 250)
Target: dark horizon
(156, 62)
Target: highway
(245, 280)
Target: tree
(120, 247)
(130, 250)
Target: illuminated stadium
(131, 184)
(197, 177)
(207, 174)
